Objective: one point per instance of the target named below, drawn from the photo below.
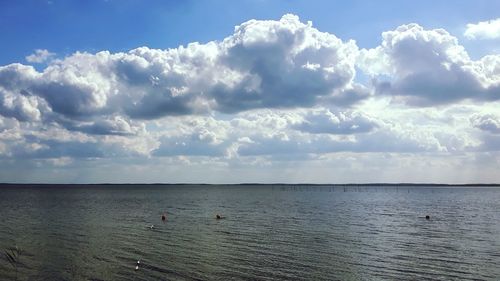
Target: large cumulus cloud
(430, 67)
(283, 64)
(264, 64)
(277, 88)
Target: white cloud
(263, 64)
(298, 134)
(327, 122)
(428, 67)
(40, 55)
(275, 59)
(483, 30)
(23, 108)
(486, 122)
(272, 93)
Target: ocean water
(268, 233)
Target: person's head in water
(163, 217)
(427, 217)
(218, 216)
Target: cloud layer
(272, 92)
(264, 64)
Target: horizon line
(268, 184)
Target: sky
(131, 91)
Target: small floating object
(427, 217)
(138, 262)
(136, 267)
(152, 226)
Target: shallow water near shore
(269, 232)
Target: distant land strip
(254, 184)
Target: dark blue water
(269, 233)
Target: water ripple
(270, 233)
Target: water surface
(269, 233)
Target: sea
(267, 232)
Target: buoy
(427, 217)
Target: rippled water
(269, 233)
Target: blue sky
(68, 26)
(172, 91)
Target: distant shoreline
(257, 184)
